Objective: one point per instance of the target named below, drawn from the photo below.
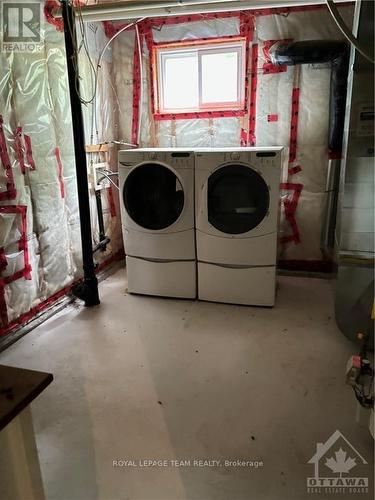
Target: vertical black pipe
(99, 207)
(88, 290)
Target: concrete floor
(148, 378)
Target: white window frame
(162, 53)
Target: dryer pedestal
(162, 278)
(237, 285)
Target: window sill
(200, 114)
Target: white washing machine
(237, 206)
(157, 214)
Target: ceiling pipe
(122, 10)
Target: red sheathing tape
(32, 313)
(22, 243)
(253, 94)
(243, 137)
(3, 309)
(294, 125)
(60, 172)
(3, 259)
(295, 170)
(49, 7)
(10, 193)
(111, 201)
(54, 5)
(28, 316)
(247, 26)
(290, 206)
(136, 92)
(146, 30)
(19, 150)
(272, 118)
(29, 152)
(110, 29)
(268, 67)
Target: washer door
(238, 199)
(153, 196)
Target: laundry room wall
(274, 95)
(40, 250)
(40, 245)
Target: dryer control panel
(255, 157)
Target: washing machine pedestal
(162, 278)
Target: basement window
(200, 76)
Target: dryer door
(238, 199)
(153, 196)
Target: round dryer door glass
(238, 199)
(153, 196)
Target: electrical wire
(345, 30)
(107, 176)
(94, 74)
(124, 28)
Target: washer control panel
(176, 159)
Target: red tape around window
(145, 29)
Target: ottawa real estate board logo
(338, 468)
(21, 26)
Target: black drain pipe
(337, 54)
(88, 289)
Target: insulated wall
(286, 106)
(40, 246)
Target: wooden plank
(97, 148)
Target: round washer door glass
(153, 196)
(238, 199)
